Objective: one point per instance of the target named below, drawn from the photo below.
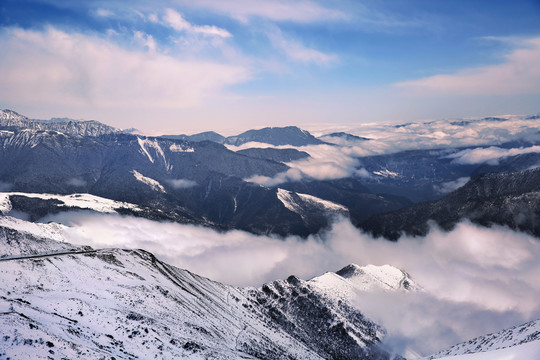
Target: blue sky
(183, 66)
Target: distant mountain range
(192, 182)
(10, 120)
(196, 179)
(289, 135)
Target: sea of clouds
(472, 141)
(476, 280)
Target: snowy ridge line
(287, 199)
(504, 339)
(526, 351)
(37, 256)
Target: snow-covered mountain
(10, 120)
(288, 135)
(279, 155)
(342, 138)
(60, 302)
(518, 342)
(271, 190)
(353, 279)
(189, 182)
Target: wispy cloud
(450, 186)
(146, 40)
(175, 20)
(303, 11)
(518, 74)
(489, 155)
(82, 71)
(296, 51)
(182, 183)
(104, 12)
(325, 162)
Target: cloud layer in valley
(344, 158)
(476, 279)
(490, 155)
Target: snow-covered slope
(350, 280)
(81, 201)
(21, 238)
(495, 346)
(303, 203)
(127, 304)
(528, 351)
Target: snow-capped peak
(350, 280)
(385, 276)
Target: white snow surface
(298, 205)
(51, 230)
(83, 201)
(386, 173)
(154, 184)
(369, 278)
(495, 344)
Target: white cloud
(297, 51)
(104, 12)
(146, 40)
(303, 11)
(519, 74)
(363, 173)
(286, 176)
(450, 186)
(182, 183)
(325, 162)
(490, 155)
(175, 20)
(334, 162)
(476, 280)
(78, 182)
(53, 68)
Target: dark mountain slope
(204, 136)
(511, 199)
(279, 155)
(195, 182)
(359, 200)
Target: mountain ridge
(127, 303)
